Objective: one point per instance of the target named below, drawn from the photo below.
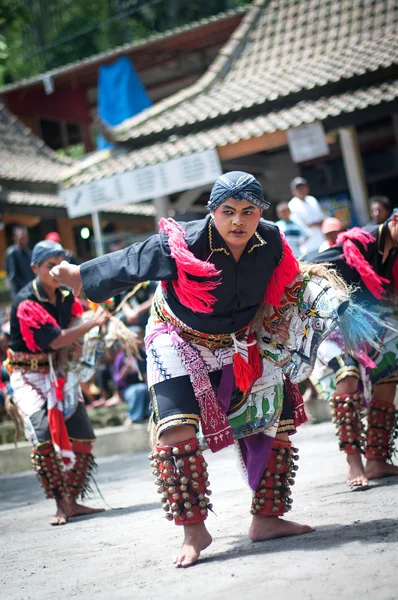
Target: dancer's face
(43, 272)
(236, 221)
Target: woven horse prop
(316, 303)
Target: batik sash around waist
(161, 314)
(215, 425)
(26, 362)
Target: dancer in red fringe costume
(368, 259)
(203, 361)
(48, 399)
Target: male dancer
(47, 397)
(368, 259)
(202, 358)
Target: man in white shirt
(306, 209)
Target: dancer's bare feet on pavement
(67, 508)
(269, 528)
(196, 539)
(375, 469)
(60, 517)
(356, 476)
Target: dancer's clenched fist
(68, 275)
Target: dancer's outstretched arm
(111, 274)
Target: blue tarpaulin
(120, 95)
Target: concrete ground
(125, 553)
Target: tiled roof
(122, 50)
(25, 159)
(23, 156)
(142, 209)
(109, 163)
(24, 198)
(29, 199)
(281, 48)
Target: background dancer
(368, 259)
(48, 397)
(202, 357)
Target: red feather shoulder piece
(195, 295)
(31, 316)
(284, 274)
(356, 260)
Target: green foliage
(38, 35)
(12, 19)
(76, 151)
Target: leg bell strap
(382, 431)
(347, 413)
(182, 480)
(78, 478)
(272, 497)
(49, 470)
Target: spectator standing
(306, 209)
(380, 209)
(296, 234)
(18, 259)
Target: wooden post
(161, 205)
(99, 246)
(65, 228)
(355, 173)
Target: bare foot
(269, 528)
(375, 469)
(114, 401)
(60, 517)
(356, 473)
(73, 509)
(196, 539)
(99, 402)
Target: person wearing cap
(202, 359)
(306, 209)
(42, 323)
(53, 236)
(331, 227)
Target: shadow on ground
(380, 483)
(22, 489)
(117, 511)
(324, 538)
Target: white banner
(307, 142)
(147, 183)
